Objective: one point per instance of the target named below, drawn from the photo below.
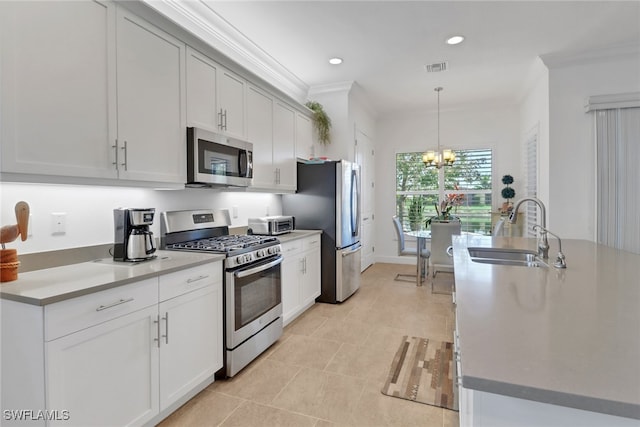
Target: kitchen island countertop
(50, 285)
(566, 337)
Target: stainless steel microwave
(218, 160)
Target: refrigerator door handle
(355, 208)
(345, 254)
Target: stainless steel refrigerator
(328, 199)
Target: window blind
(618, 177)
(531, 182)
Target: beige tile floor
(331, 363)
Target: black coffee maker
(133, 241)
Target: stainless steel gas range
(252, 285)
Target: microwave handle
(244, 164)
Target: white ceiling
(386, 44)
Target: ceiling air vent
(437, 67)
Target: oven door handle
(258, 269)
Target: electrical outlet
(58, 223)
(267, 210)
(234, 209)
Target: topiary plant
(321, 122)
(507, 192)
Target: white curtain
(618, 177)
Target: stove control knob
(260, 253)
(240, 260)
(248, 257)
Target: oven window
(256, 294)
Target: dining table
(422, 236)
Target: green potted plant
(507, 193)
(321, 122)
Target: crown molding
(199, 19)
(331, 88)
(569, 58)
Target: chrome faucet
(543, 243)
(561, 261)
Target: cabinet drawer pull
(197, 279)
(121, 301)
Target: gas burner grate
(227, 243)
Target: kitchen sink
(500, 256)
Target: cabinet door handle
(197, 279)
(157, 322)
(225, 120)
(125, 155)
(114, 304)
(166, 327)
(115, 148)
(220, 126)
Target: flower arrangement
(451, 202)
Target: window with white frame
(467, 183)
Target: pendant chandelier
(439, 158)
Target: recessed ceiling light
(455, 40)
(335, 61)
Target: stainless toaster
(271, 225)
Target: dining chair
(404, 251)
(441, 257)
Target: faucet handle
(561, 262)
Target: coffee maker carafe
(133, 240)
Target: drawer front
(73, 315)
(291, 248)
(183, 281)
(311, 243)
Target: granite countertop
(50, 285)
(566, 337)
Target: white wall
(89, 210)
(496, 128)
(572, 160)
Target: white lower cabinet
(190, 342)
(106, 374)
(129, 355)
(300, 276)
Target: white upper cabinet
(90, 90)
(151, 118)
(271, 130)
(57, 76)
(284, 146)
(231, 92)
(304, 137)
(202, 109)
(215, 96)
(260, 134)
